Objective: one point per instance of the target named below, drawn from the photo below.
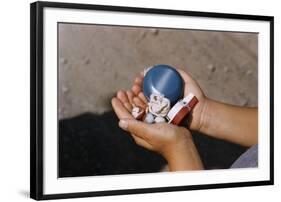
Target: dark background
(92, 144)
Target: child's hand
(174, 143)
(196, 119)
(231, 123)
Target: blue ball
(165, 80)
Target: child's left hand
(174, 143)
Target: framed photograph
(129, 100)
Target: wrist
(177, 145)
(205, 116)
(184, 156)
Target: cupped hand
(174, 143)
(159, 137)
(196, 118)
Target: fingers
(120, 110)
(138, 81)
(141, 74)
(138, 128)
(122, 96)
(130, 96)
(122, 113)
(138, 102)
(136, 89)
(128, 100)
(137, 86)
(143, 98)
(185, 76)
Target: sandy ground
(96, 61)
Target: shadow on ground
(91, 144)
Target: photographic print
(122, 95)
(97, 63)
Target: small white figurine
(158, 105)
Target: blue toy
(165, 80)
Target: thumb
(185, 76)
(138, 128)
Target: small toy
(163, 80)
(181, 109)
(158, 105)
(149, 118)
(159, 119)
(138, 113)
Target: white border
(53, 185)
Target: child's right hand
(196, 119)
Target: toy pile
(163, 87)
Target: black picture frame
(37, 99)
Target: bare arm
(231, 123)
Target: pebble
(63, 61)
(160, 119)
(87, 61)
(65, 89)
(155, 31)
(141, 36)
(249, 72)
(211, 67)
(149, 118)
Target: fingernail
(123, 124)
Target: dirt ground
(95, 61)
